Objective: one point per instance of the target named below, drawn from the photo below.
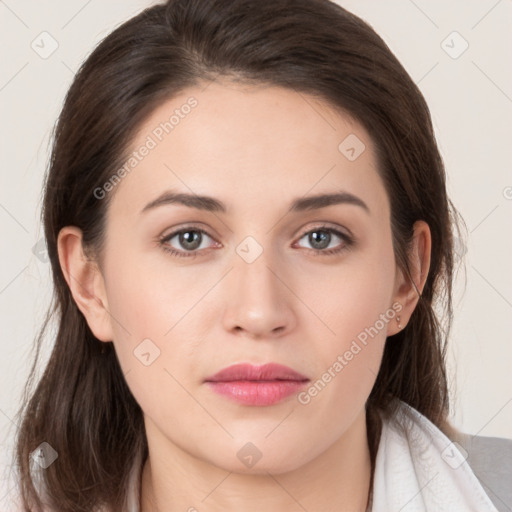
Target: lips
(267, 372)
(257, 385)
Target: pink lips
(257, 385)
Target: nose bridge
(259, 302)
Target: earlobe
(85, 282)
(408, 288)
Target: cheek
(355, 297)
(356, 305)
(149, 320)
(145, 299)
(136, 308)
(157, 318)
(349, 358)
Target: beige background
(471, 102)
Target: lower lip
(257, 392)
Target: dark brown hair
(81, 405)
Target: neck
(336, 481)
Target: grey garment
(490, 458)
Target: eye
(321, 237)
(189, 240)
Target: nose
(259, 302)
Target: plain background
(470, 97)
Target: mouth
(257, 385)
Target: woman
(248, 226)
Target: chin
(249, 460)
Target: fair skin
(255, 149)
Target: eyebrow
(211, 204)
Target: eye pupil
(324, 238)
(190, 242)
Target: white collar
(417, 469)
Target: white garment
(418, 469)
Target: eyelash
(348, 242)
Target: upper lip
(265, 372)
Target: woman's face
(246, 285)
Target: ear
(85, 282)
(406, 291)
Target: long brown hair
(82, 406)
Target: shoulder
(490, 458)
(415, 458)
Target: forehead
(249, 146)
